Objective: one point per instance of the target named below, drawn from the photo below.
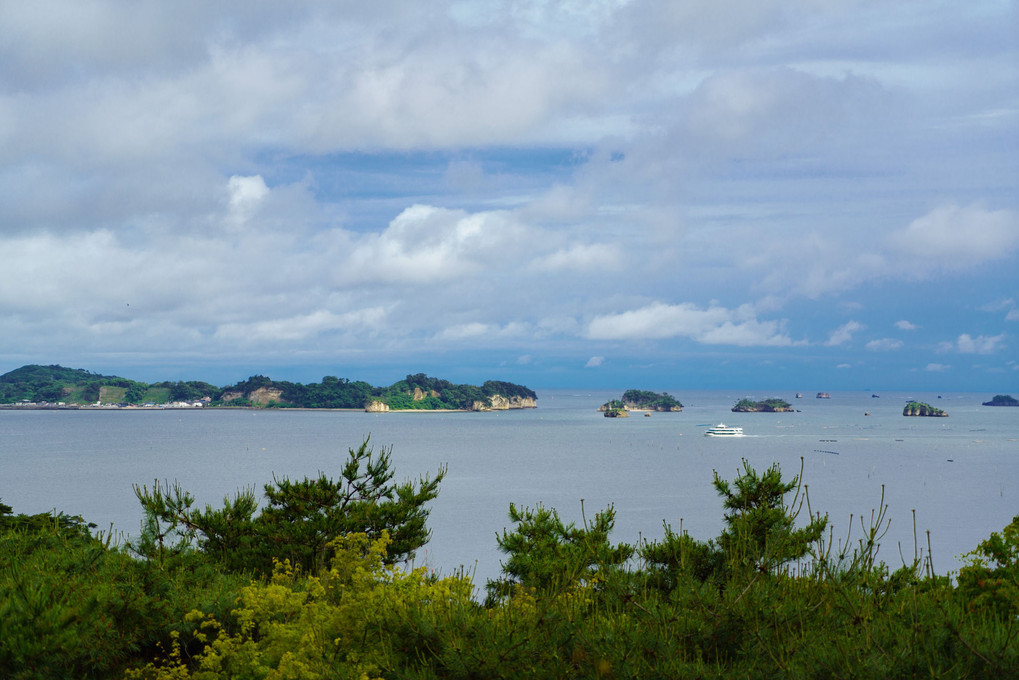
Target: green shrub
(298, 520)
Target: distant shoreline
(79, 407)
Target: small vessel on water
(723, 430)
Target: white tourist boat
(723, 430)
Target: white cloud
(844, 333)
(750, 333)
(937, 368)
(489, 331)
(998, 305)
(954, 237)
(301, 327)
(981, 344)
(884, 345)
(591, 258)
(784, 110)
(594, 362)
(429, 245)
(1007, 305)
(401, 175)
(714, 325)
(466, 331)
(246, 194)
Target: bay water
(956, 478)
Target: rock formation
(501, 403)
(918, 408)
(1002, 400)
(766, 406)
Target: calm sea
(959, 476)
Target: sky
(759, 194)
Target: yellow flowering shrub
(338, 624)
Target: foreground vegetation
(54, 384)
(310, 586)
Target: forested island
(765, 406)
(919, 408)
(277, 585)
(1002, 400)
(614, 409)
(643, 400)
(59, 387)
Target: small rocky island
(765, 406)
(918, 408)
(643, 400)
(1002, 400)
(614, 409)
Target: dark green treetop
(760, 533)
(547, 554)
(298, 520)
(642, 399)
(771, 404)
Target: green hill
(74, 386)
(35, 383)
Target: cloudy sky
(798, 194)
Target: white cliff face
(265, 395)
(375, 406)
(523, 402)
(420, 394)
(501, 403)
(260, 397)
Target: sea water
(947, 482)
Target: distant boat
(723, 430)
(823, 395)
(875, 396)
(799, 395)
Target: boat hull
(723, 430)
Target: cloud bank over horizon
(677, 194)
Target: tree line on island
(313, 581)
(56, 384)
(1002, 400)
(771, 405)
(640, 400)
